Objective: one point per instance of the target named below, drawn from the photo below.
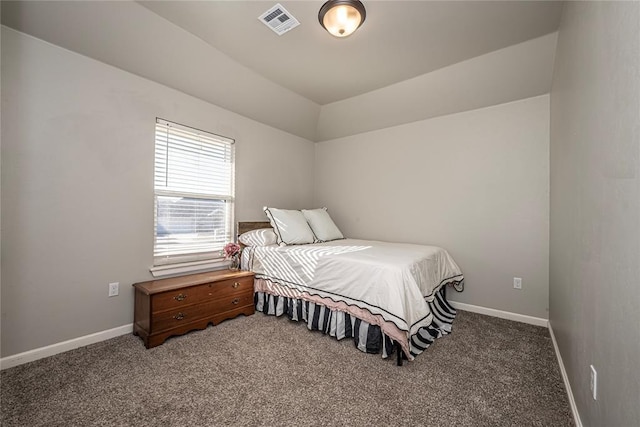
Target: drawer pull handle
(235, 285)
(179, 316)
(180, 297)
(235, 301)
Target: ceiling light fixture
(342, 17)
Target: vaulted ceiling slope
(411, 60)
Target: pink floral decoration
(231, 250)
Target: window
(194, 194)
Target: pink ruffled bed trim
(389, 328)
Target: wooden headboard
(243, 227)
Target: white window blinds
(194, 193)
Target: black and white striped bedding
(367, 337)
(397, 288)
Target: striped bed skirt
(367, 337)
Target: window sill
(188, 267)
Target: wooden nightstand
(177, 305)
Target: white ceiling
(398, 41)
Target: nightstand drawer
(201, 293)
(177, 317)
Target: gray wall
(475, 183)
(77, 186)
(595, 207)
(516, 72)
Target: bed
(387, 297)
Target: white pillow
(260, 237)
(322, 225)
(290, 226)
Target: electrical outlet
(113, 289)
(517, 283)
(593, 384)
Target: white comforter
(392, 280)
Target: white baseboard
(61, 347)
(565, 378)
(533, 321)
(538, 321)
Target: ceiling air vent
(279, 19)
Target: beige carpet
(261, 370)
